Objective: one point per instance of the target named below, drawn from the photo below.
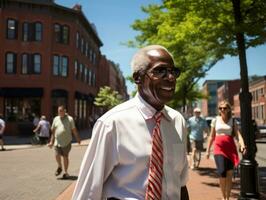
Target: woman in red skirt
(223, 131)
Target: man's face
(197, 113)
(157, 83)
(61, 112)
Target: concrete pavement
(27, 173)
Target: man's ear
(137, 77)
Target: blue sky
(113, 18)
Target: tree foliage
(107, 98)
(199, 33)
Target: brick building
(227, 90)
(49, 55)
(209, 106)
(258, 91)
(112, 76)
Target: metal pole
(248, 164)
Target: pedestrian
(43, 130)
(2, 129)
(63, 127)
(139, 140)
(197, 126)
(36, 120)
(223, 131)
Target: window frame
(14, 63)
(14, 34)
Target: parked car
(209, 120)
(262, 130)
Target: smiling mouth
(167, 88)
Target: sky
(113, 19)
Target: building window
(82, 45)
(25, 31)
(89, 77)
(12, 29)
(81, 71)
(21, 108)
(76, 70)
(85, 74)
(77, 40)
(60, 65)
(93, 79)
(61, 33)
(11, 63)
(25, 62)
(64, 65)
(36, 63)
(30, 63)
(65, 36)
(38, 31)
(57, 32)
(32, 31)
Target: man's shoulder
(2, 121)
(69, 117)
(119, 111)
(56, 118)
(174, 113)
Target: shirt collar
(146, 110)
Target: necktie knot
(158, 117)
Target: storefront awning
(21, 92)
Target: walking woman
(223, 131)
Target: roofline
(76, 12)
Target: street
(28, 173)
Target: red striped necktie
(154, 187)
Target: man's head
(155, 75)
(61, 111)
(197, 112)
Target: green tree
(108, 98)
(199, 33)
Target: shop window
(22, 108)
(11, 63)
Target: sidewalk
(203, 184)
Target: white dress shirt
(116, 163)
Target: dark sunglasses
(222, 108)
(161, 72)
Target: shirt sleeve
(185, 172)
(99, 160)
(213, 123)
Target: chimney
(77, 7)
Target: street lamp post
(248, 164)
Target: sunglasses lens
(161, 72)
(222, 108)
